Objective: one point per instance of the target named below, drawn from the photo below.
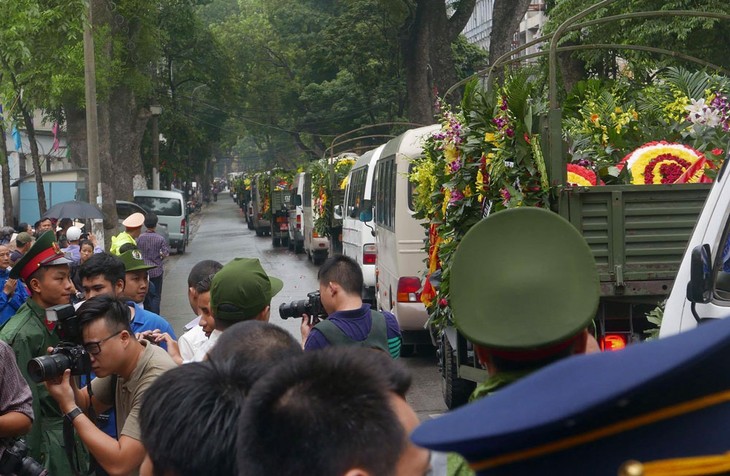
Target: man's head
(23, 242)
(103, 273)
(73, 235)
(44, 269)
(4, 257)
(150, 221)
(199, 401)
(340, 279)
(44, 225)
(106, 332)
(133, 224)
(200, 271)
(253, 347)
(242, 291)
(202, 291)
(135, 277)
(342, 412)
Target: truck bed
(637, 233)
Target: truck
(637, 234)
(279, 209)
(258, 207)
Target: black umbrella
(73, 209)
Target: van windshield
(161, 205)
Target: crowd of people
(94, 381)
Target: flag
(16, 138)
(56, 142)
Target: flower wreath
(665, 162)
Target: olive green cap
(44, 252)
(241, 290)
(523, 279)
(133, 261)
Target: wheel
(318, 258)
(456, 391)
(299, 247)
(286, 242)
(181, 248)
(276, 242)
(259, 232)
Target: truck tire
(259, 232)
(318, 258)
(455, 390)
(276, 242)
(286, 242)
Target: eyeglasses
(94, 348)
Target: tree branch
(461, 16)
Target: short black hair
(332, 408)
(344, 271)
(201, 270)
(186, 416)
(253, 346)
(203, 286)
(104, 264)
(115, 313)
(65, 222)
(150, 220)
(22, 226)
(83, 243)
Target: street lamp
(155, 110)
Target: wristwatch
(70, 416)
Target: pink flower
(717, 151)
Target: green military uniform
(27, 333)
(29, 337)
(523, 283)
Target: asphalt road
(219, 232)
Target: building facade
(479, 27)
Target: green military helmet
(523, 279)
(133, 261)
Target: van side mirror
(699, 288)
(337, 212)
(298, 200)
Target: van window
(385, 193)
(307, 190)
(411, 190)
(356, 191)
(161, 205)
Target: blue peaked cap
(589, 414)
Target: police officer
(45, 271)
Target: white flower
(696, 109)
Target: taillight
(369, 254)
(315, 234)
(182, 226)
(611, 342)
(299, 222)
(408, 288)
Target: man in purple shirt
(73, 250)
(154, 250)
(349, 321)
(16, 410)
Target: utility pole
(92, 126)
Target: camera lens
(293, 309)
(48, 367)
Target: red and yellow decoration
(664, 162)
(581, 176)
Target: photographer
(125, 368)
(349, 321)
(45, 271)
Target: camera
(69, 354)
(15, 460)
(64, 356)
(311, 306)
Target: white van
(358, 238)
(711, 275)
(171, 210)
(399, 236)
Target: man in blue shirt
(14, 293)
(349, 321)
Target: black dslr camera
(311, 306)
(15, 460)
(69, 354)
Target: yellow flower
(467, 192)
(489, 137)
(447, 198)
(451, 153)
(595, 118)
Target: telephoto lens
(49, 367)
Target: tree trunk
(572, 69)
(7, 197)
(76, 133)
(426, 41)
(506, 18)
(35, 157)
